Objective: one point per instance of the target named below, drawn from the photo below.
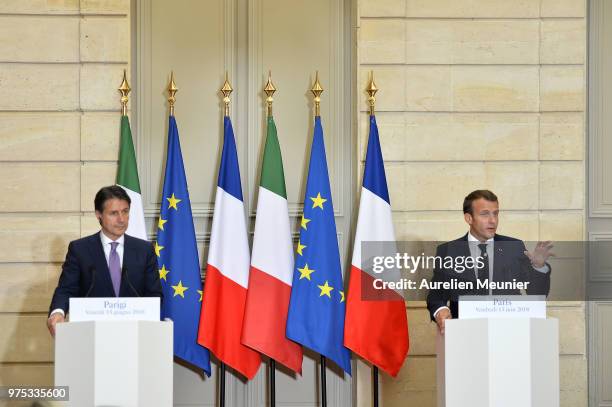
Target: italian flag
(271, 270)
(127, 178)
(227, 271)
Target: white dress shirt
(475, 253)
(106, 245)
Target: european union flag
(316, 307)
(177, 258)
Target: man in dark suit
(108, 263)
(502, 259)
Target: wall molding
(600, 179)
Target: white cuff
(58, 311)
(544, 269)
(438, 310)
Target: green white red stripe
(127, 178)
(272, 264)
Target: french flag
(375, 325)
(227, 272)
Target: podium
(115, 363)
(499, 362)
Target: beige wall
(470, 92)
(61, 62)
(479, 94)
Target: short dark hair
(110, 192)
(474, 195)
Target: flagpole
(125, 89)
(375, 384)
(272, 382)
(316, 91)
(371, 90)
(323, 383)
(222, 386)
(226, 90)
(269, 90)
(172, 89)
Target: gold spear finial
(269, 89)
(124, 88)
(172, 89)
(316, 91)
(371, 89)
(226, 90)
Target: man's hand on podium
(441, 317)
(54, 319)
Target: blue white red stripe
(227, 272)
(375, 328)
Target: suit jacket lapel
(464, 250)
(465, 247)
(99, 260)
(498, 260)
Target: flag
(271, 271)
(316, 308)
(377, 328)
(227, 272)
(177, 258)
(127, 178)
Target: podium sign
(502, 306)
(115, 309)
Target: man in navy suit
(503, 259)
(108, 263)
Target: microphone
(92, 270)
(124, 272)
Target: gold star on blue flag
(316, 312)
(180, 265)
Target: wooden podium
(115, 363)
(499, 363)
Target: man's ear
(468, 218)
(99, 216)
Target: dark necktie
(114, 266)
(483, 272)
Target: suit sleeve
(151, 276)
(69, 282)
(437, 298)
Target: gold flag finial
(269, 89)
(316, 91)
(172, 89)
(371, 89)
(125, 89)
(226, 90)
